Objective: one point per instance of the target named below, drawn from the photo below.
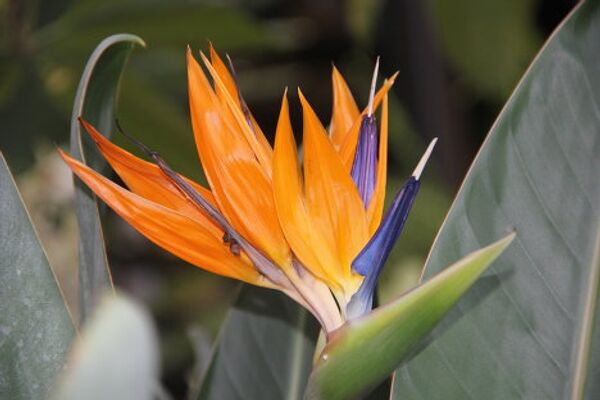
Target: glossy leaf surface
(264, 350)
(35, 327)
(522, 334)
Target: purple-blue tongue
(373, 256)
(364, 168)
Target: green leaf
(116, 358)
(523, 335)
(35, 326)
(264, 351)
(366, 350)
(95, 101)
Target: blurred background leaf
(492, 50)
(116, 356)
(36, 329)
(528, 329)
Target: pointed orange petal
(231, 85)
(262, 139)
(223, 73)
(146, 179)
(332, 198)
(262, 153)
(184, 237)
(306, 242)
(238, 182)
(344, 111)
(348, 147)
(375, 209)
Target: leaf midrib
(584, 339)
(294, 382)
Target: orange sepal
(240, 186)
(147, 180)
(177, 233)
(231, 107)
(348, 147)
(317, 254)
(224, 74)
(229, 82)
(332, 198)
(345, 110)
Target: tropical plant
(526, 329)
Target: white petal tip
(373, 85)
(423, 161)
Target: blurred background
(458, 62)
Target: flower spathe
(312, 229)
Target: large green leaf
(522, 335)
(365, 351)
(35, 327)
(116, 357)
(95, 101)
(264, 350)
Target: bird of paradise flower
(318, 234)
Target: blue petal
(364, 168)
(371, 259)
